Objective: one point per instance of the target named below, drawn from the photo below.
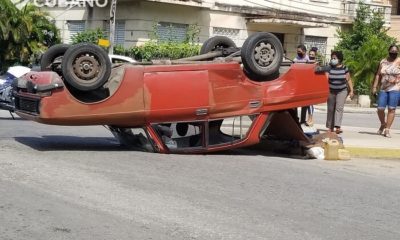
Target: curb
(373, 153)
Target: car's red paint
(174, 93)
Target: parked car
(6, 98)
(183, 106)
(121, 59)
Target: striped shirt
(337, 78)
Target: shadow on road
(60, 143)
(368, 133)
(74, 143)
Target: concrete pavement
(365, 138)
(361, 136)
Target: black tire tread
(51, 54)
(211, 43)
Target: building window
(75, 27)
(119, 38)
(314, 41)
(171, 32)
(231, 33)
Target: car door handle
(201, 111)
(255, 104)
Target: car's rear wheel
(52, 58)
(262, 55)
(215, 43)
(86, 66)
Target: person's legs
(382, 102)
(393, 98)
(310, 111)
(303, 114)
(340, 100)
(330, 111)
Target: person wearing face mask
(340, 86)
(388, 76)
(312, 54)
(309, 110)
(302, 56)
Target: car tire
(262, 55)
(54, 52)
(215, 43)
(86, 66)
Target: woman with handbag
(388, 76)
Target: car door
(176, 95)
(232, 94)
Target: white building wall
(141, 16)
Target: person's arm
(321, 69)
(376, 80)
(350, 84)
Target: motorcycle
(6, 89)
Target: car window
(229, 130)
(181, 135)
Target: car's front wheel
(52, 58)
(215, 43)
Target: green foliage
(154, 50)
(91, 35)
(367, 23)
(191, 36)
(365, 62)
(23, 33)
(170, 49)
(364, 46)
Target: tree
(364, 46)
(23, 33)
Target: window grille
(174, 32)
(314, 41)
(231, 33)
(119, 37)
(75, 27)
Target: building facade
(309, 22)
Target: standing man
(302, 57)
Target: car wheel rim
(86, 68)
(264, 54)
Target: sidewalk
(350, 109)
(365, 142)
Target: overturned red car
(184, 106)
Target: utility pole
(113, 8)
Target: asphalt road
(76, 183)
(369, 120)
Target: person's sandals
(387, 133)
(381, 129)
(338, 131)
